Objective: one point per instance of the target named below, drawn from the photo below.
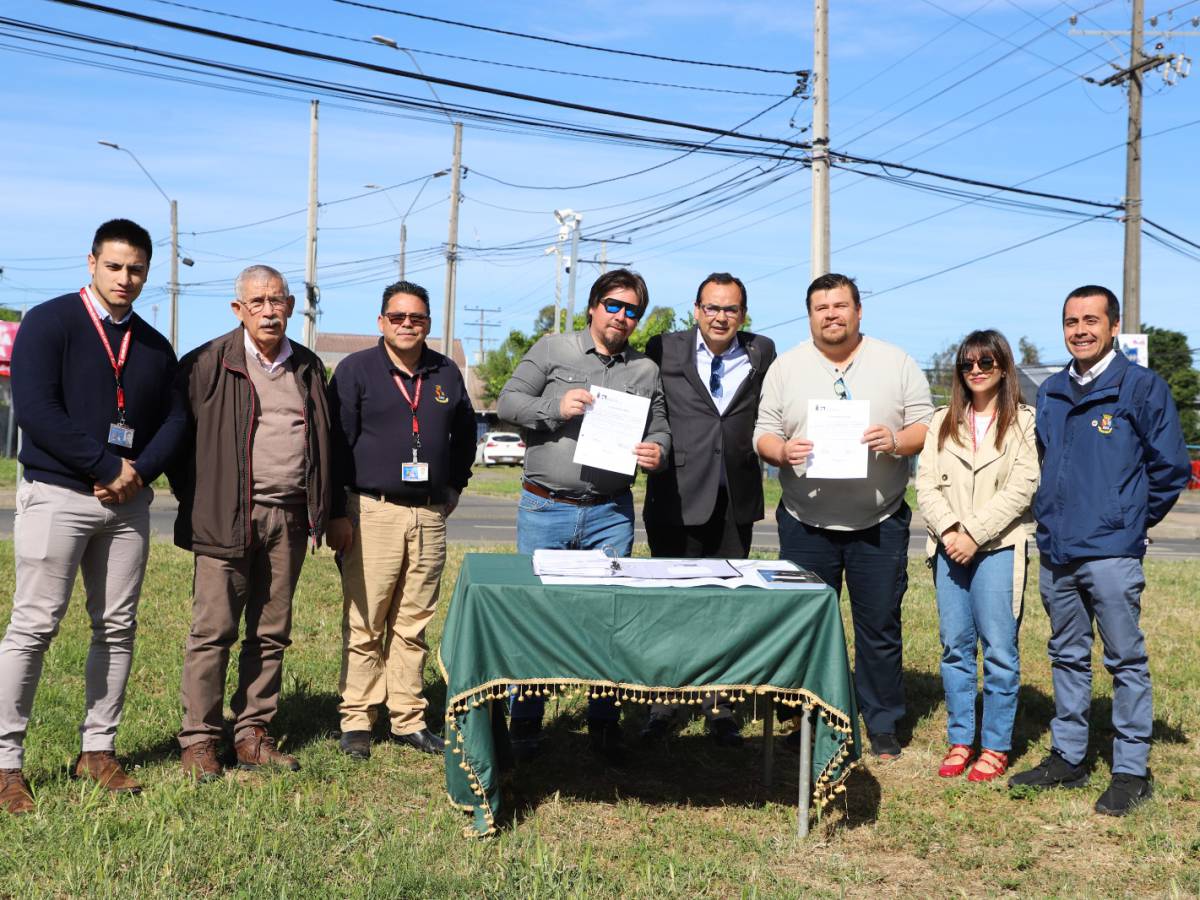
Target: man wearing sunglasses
(853, 528)
(253, 491)
(403, 443)
(1114, 462)
(564, 505)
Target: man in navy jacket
(92, 389)
(1113, 464)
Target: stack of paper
(573, 563)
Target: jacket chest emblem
(1104, 424)
(440, 396)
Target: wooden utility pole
(403, 242)
(452, 245)
(819, 255)
(175, 276)
(310, 264)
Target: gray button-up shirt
(558, 363)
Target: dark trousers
(721, 536)
(874, 563)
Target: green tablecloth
(506, 629)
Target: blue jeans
(544, 524)
(975, 607)
(874, 562)
(1109, 591)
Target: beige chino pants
(390, 581)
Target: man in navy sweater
(1113, 464)
(91, 384)
(403, 442)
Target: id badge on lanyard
(415, 471)
(119, 433)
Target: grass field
(691, 821)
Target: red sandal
(991, 764)
(956, 760)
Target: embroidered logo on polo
(1105, 424)
(440, 396)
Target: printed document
(610, 429)
(836, 428)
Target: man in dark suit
(705, 503)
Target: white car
(500, 447)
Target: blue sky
(985, 89)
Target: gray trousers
(1109, 593)
(257, 586)
(58, 532)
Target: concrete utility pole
(1139, 63)
(311, 293)
(819, 255)
(575, 259)
(174, 286)
(1131, 292)
(557, 251)
(452, 245)
(482, 325)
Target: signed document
(836, 428)
(611, 427)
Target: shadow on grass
(686, 770)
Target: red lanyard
(413, 401)
(975, 433)
(118, 361)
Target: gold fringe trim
(824, 789)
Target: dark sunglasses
(615, 306)
(397, 318)
(985, 363)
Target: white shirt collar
(731, 351)
(102, 310)
(285, 351)
(1095, 371)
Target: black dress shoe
(424, 740)
(607, 741)
(356, 744)
(884, 745)
(725, 733)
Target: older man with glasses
(403, 442)
(565, 505)
(253, 491)
(705, 503)
(851, 527)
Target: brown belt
(560, 497)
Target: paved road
(492, 520)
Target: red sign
(8, 333)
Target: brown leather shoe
(101, 766)
(256, 748)
(15, 796)
(200, 761)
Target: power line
(487, 62)
(402, 73)
(547, 40)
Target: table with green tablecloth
(506, 631)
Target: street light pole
(173, 286)
(404, 215)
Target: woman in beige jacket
(975, 482)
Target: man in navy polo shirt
(403, 443)
(1113, 464)
(91, 383)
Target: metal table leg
(768, 761)
(805, 792)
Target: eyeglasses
(615, 306)
(397, 318)
(712, 312)
(985, 363)
(714, 375)
(257, 304)
(840, 390)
